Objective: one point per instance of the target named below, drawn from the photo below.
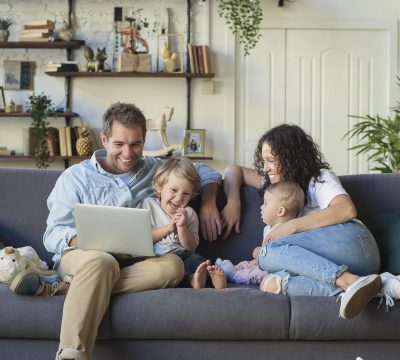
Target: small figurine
(65, 33)
(169, 59)
(95, 64)
(160, 123)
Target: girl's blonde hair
(181, 167)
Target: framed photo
(194, 142)
(2, 100)
(18, 75)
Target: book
(74, 138)
(38, 23)
(63, 141)
(206, 59)
(32, 142)
(35, 33)
(61, 68)
(196, 63)
(200, 59)
(38, 27)
(68, 140)
(39, 39)
(191, 58)
(53, 144)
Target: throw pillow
(386, 230)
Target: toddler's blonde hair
(181, 167)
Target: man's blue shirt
(88, 183)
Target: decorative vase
(4, 34)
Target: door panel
(314, 78)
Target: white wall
(216, 113)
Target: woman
(320, 252)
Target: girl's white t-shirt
(320, 193)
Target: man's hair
(126, 114)
(181, 167)
(290, 194)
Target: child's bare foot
(218, 277)
(199, 278)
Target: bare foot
(199, 278)
(218, 277)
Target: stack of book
(36, 30)
(199, 59)
(62, 66)
(60, 142)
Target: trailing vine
(41, 108)
(244, 18)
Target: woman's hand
(284, 229)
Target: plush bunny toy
(13, 261)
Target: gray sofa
(233, 323)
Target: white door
(323, 75)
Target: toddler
(176, 225)
(283, 201)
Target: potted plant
(4, 26)
(41, 108)
(381, 140)
(244, 18)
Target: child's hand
(172, 227)
(181, 217)
(256, 252)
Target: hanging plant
(244, 18)
(41, 106)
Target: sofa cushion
(203, 314)
(23, 195)
(35, 316)
(386, 230)
(317, 318)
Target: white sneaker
(359, 294)
(390, 289)
(391, 285)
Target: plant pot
(4, 34)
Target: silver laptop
(114, 229)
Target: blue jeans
(311, 261)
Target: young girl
(283, 201)
(176, 225)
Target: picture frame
(2, 100)
(194, 142)
(173, 44)
(18, 75)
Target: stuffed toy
(15, 260)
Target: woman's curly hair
(298, 155)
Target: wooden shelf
(51, 158)
(129, 74)
(73, 44)
(27, 114)
(199, 157)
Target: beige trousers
(95, 276)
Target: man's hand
(210, 222)
(230, 218)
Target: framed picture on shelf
(194, 142)
(2, 100)
(18, 75)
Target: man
(119, 176)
